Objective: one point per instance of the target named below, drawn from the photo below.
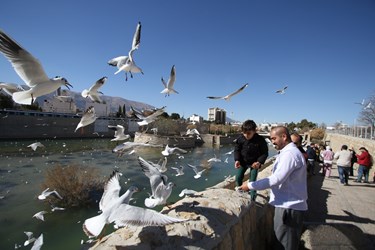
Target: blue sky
(324, 51)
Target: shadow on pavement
(318, 234)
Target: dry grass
(78, 185)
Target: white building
(217, 115)
(59, 106)
(101, 109)
(195, 118)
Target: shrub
(78, 185)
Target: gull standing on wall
(168, 87)
(93, 92)
(227, 97)
(30, 71)
(88, 117)
(126, 63)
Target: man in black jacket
(250, 151)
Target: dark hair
(300, 138)
(344, 147)
(248, 125)
(363, 148)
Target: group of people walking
(288, 181)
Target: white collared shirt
(288, 180)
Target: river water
(22, 172)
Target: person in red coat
(364, 161)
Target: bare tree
(367, 115)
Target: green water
(22, 172)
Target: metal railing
(366, 132)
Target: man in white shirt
(288, 189)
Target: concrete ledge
(218, 218)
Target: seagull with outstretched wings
(30, 70)
(227, 97)
(93, 92)
(282, 91)
(126, 63)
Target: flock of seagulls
(116, 209)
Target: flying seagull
(179, 170)
(30, 71)
(126, 63)
(170, 150)
(198, 174)
(40, 215)
(127, 146)
(47, 193)
(161, 190)
(282, 91)
(168, 87)
(227, 97)
(361, 103)
(119, 133)
(35, 145)
(148, 119)
(93, 92)
(88, 117)
(115, 210)
(38, 243)
(30, 238)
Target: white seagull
(30, 71)
(10, 88)
(227, 97)
(361, 103)
(35, 145)
(115, 210)
(38, 243)
(126, 63)
(40, 215)
(30, 238)
(148, 119)
(88, 117)
(161, 165)
(198, 174)
(93, 92)
(119, 133)
(282, 91)
(47, 193)
(188, 192)
(168, 87)
(127, 146)
(368, 106)
(170, 150)
(179, 170)
(214, 159)
(161, 190)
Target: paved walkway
(339, 217)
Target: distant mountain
(113, 102)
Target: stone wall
(337, 140)
(217, 218)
